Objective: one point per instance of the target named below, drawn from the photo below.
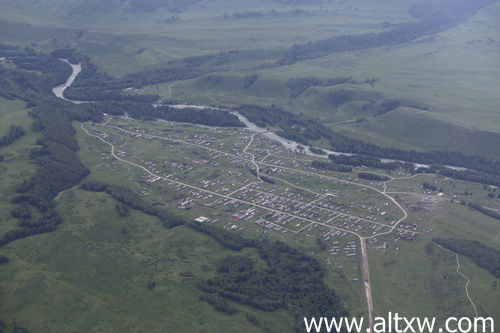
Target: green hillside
(419, 129)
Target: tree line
(55, 71)
(372, 176)
(484, 210)
(7, 51)
(372, 162)
(15, 132)
(208, 117)
(130, 199)
(433, 19)
(227, 239)
(485, 257)
(467, 175)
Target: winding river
(59, 90)
(292, 145)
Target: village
(216, 176)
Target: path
(465, 277)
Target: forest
(468, 175)
(94, 85)
(46, 64)
(358, 160)
(58, 167)
(290, 280)
(482, 255)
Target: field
(103, 270)
(99, 266)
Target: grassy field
(420, 278)
(98, 265)
(93, 275)
(419, 129)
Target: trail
(465, 277)
(257, 168)
(366, 280)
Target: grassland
(93, 275)
(420, 277)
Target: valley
(205, 165)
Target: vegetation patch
(372, 176)
(291, 280)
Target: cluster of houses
(243, 197)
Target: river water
(292, 145)
(59, 90)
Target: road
(366, 280)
